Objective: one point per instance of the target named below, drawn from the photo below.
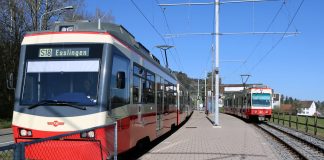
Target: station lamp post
(56, 10)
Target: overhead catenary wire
(259, 41)
(289, 15)
(161, 36)
(188, 16)
(277, 43)
(151, 24)
(173, 43)
(188, 21)
(253, 17)
(208, 60)
(263, 35)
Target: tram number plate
(45, 52)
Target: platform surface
(6, 137)
(199, 140)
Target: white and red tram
(252, 103)
(77, 76)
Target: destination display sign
(63, 52)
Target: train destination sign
(63, 52)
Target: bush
(5, 123)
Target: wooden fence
(309, 124)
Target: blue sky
(294, 68)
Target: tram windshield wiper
(58, 103)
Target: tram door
(159, 112)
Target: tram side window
(235, 102)
(159, 95)
(119, 94)
(143, 85)
(184, 100)
(136, 89)
(181, 97)
(166, 96)
(242, 102)
(149, 88)
(188, 99)
(137, 85)
(230, 102)
(249, 100)
(169, 96)
(174, 95)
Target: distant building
(307, 108)
(287, 108)
(234, 87)
(276, 100)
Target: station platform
(199, 140)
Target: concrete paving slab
(199, 140)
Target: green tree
(282, 99)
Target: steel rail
(299, 138)
(289, 147)
(291, 144)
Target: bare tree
(16, 18)
(105, 16)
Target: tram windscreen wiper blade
(58, 103)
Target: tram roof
(116, 30)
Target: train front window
(261, 99)
(71, 81)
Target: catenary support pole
(216, 115)
(205, 91)
(198, 96)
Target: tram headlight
(25, 132)
(29, 133)
(91, 134)
(88, 134)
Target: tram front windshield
(261, 99)
(56, 78)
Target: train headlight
(88, 134)
(91, 134)
(29, 133)
(25, 132)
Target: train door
(159, 102)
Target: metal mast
(216, 115)
(198, 98)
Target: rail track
(5, 134)
(6, 137)
(302, 146)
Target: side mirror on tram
(120, 80)
(10, 81)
